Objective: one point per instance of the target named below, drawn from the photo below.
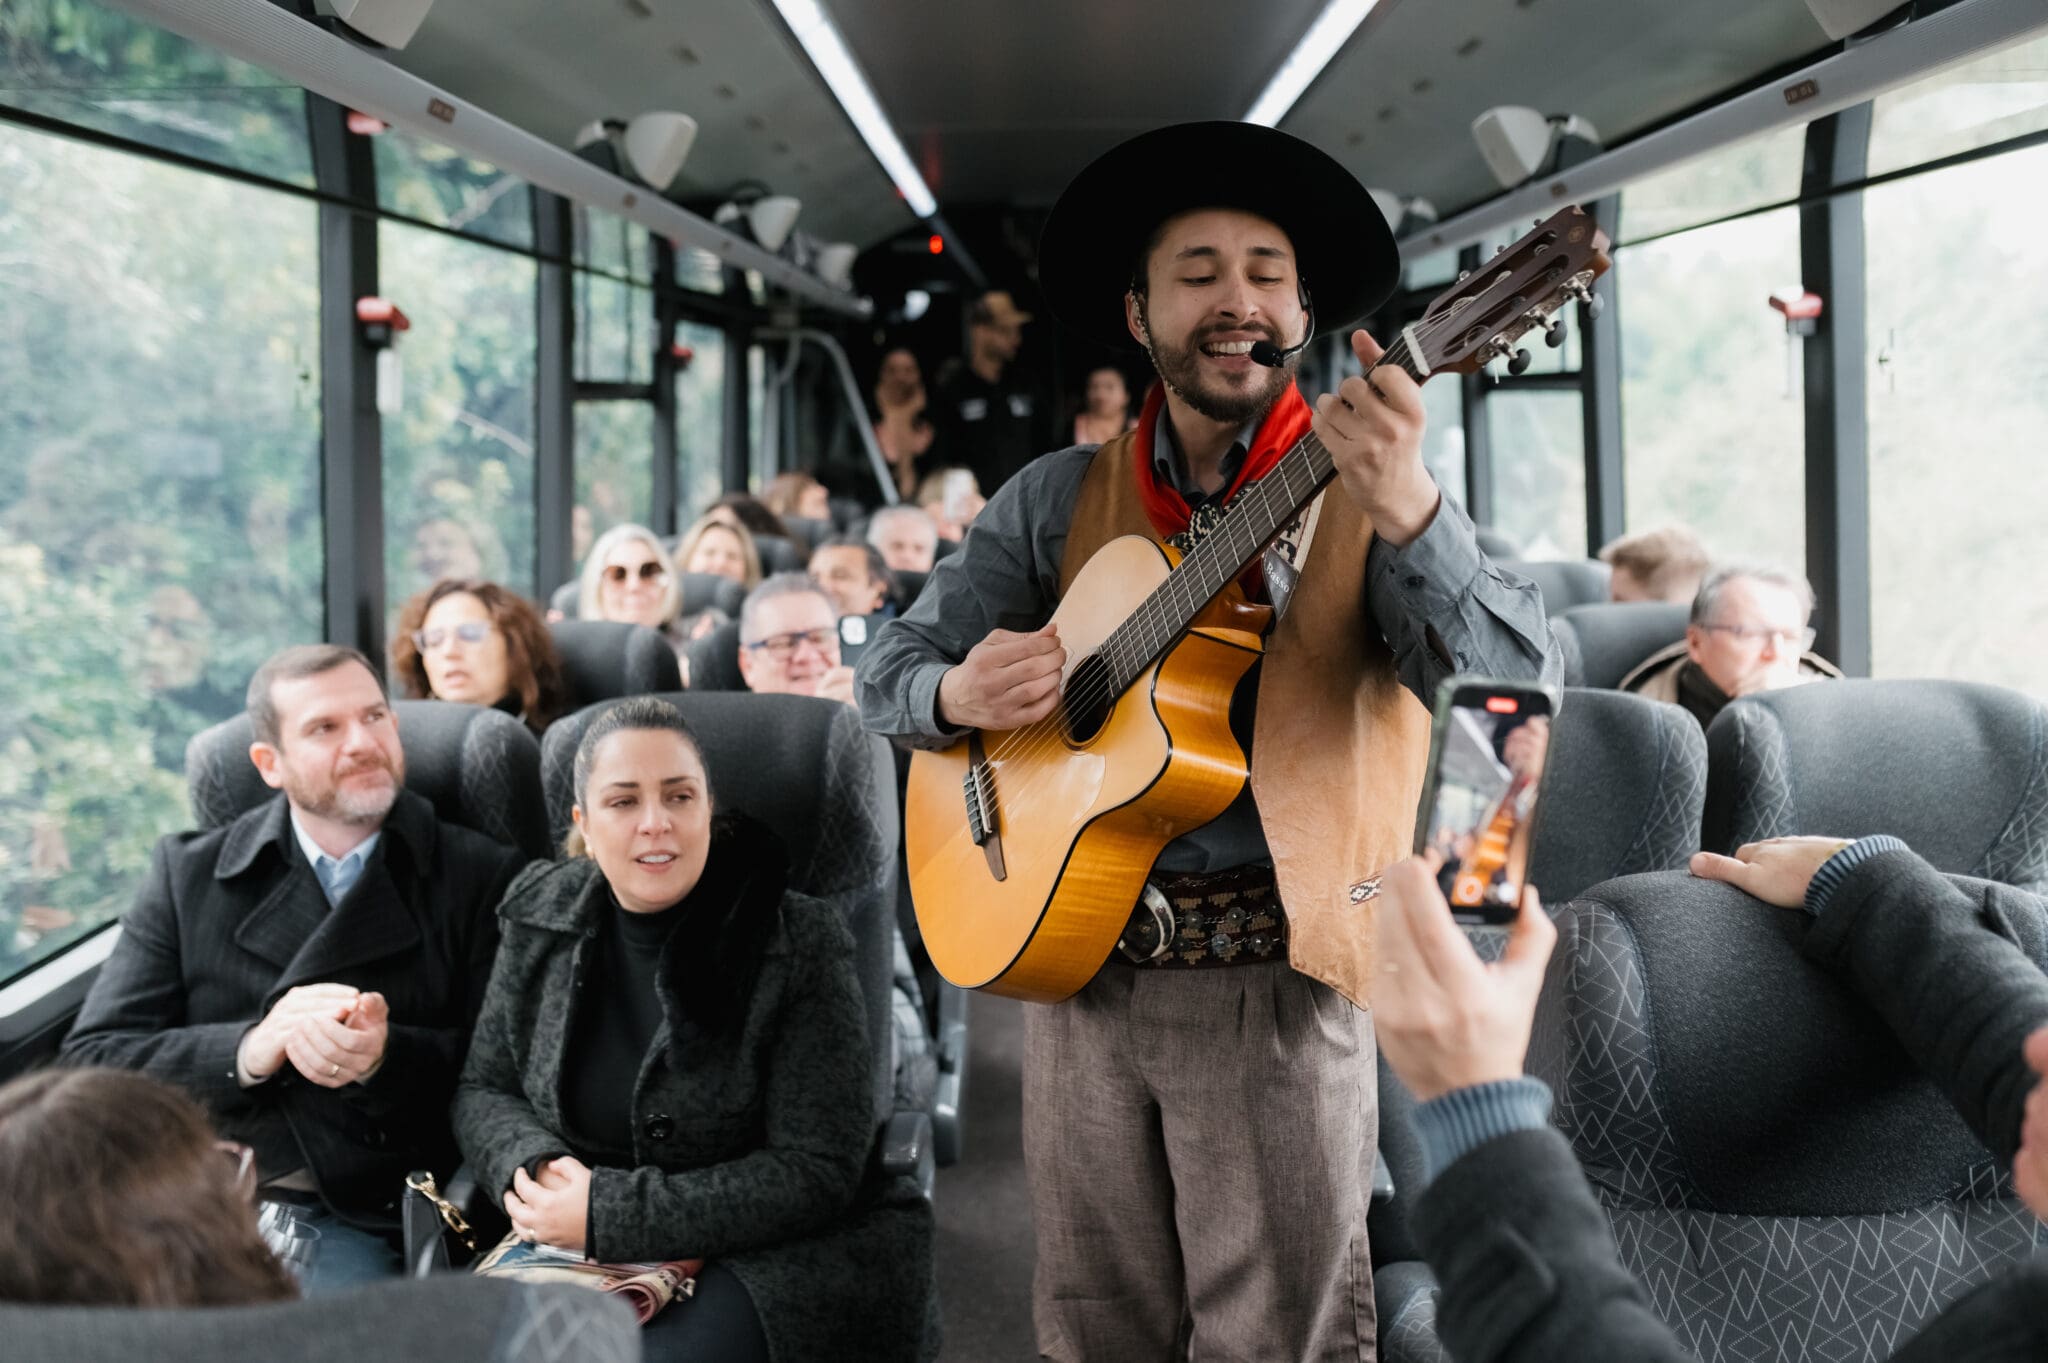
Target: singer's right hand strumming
(1006, 681)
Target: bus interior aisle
(566, 568)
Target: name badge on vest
(1283, 558)
(974, 409)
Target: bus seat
(908, 585)
(1494, 544)
(478, 767)
(808, 533)
(709, 591)
(567, 598)
(604, 659)
(715, 660)
(1764, 1149)
(781, 555)
(1610, 638)
(491, 1320)
(1564, 583)
(1957, 769)
(1622, 792)
(944, 548)
(807, 769)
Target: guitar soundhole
(1088, 699)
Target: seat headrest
(1957, 769)
(1563, 583)
(715, 660)
(908, 585)
(602, 659)
(1700, 1060)
(780, 555)
(706, 591)
(1614, 636)
(809, 533)
(945, 548)
(567, 599)
(1494, 544)
(1622, 791)
(478, 767)
(803, 766)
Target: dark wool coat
(232, 918)
(750, 1146)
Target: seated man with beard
(311, 971)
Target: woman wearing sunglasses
(475, 642)
(114, 1191)
(627, 578)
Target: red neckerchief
(1286, 423)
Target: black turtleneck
(615, 1025)
(1698, 694)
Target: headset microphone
(1272, 356)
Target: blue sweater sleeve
(1464, 1119)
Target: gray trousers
(1200, 1146)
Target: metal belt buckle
(1148, 936)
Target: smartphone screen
(1487, 752)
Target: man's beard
(334, 802)
(1180, 369)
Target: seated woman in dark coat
(467, 640)
(672, 1063)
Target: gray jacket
(1523, 1251)
(749, 1148)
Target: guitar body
(1079, 823)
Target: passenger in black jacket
(311, 971)
(1522, 1251)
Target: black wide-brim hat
(1088, 253)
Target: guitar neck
(1254, 521)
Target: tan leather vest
(1339, 745)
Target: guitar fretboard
(1254, 521)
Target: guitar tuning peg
(1500, 250)
(1595, 305)
(1464, 275)
(1553, 335)
(1518, 363)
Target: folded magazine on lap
(647, 1287)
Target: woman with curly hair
(476, 642)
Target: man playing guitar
(1201, 1118)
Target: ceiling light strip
(1323, 41)
(309, 56)
(819, 36)
(1893, 58)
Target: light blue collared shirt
(336, 877)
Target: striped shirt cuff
(1464, 1119)
(1836, 868)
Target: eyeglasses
(1787, 640)
(785, 645)
(650, 571)
(244, 1161)
(469, 631)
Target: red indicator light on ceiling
(1501, 705)
(937, 244)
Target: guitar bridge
(979, 790)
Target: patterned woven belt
(1198, 919)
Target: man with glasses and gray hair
(789, 640)
(1748, 633)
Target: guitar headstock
(1478, 319)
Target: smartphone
(854, 633)
(1487, 748)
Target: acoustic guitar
(1028, 849)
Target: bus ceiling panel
(308, 55)
(763, 114)
(999, 102)
(1397, 107)
(1895, 57)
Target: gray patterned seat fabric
(603, 659)
(807, 533)
(827, 787)
(1957, 769)
(706, 591)
(1604, 642)
(715, 660)
(780, 554)
(1621, 793)
(1780, 1177)
(1564, 583)
(489, 1320)
(478, 767)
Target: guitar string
(1050, 732)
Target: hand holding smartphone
(1489, 742)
